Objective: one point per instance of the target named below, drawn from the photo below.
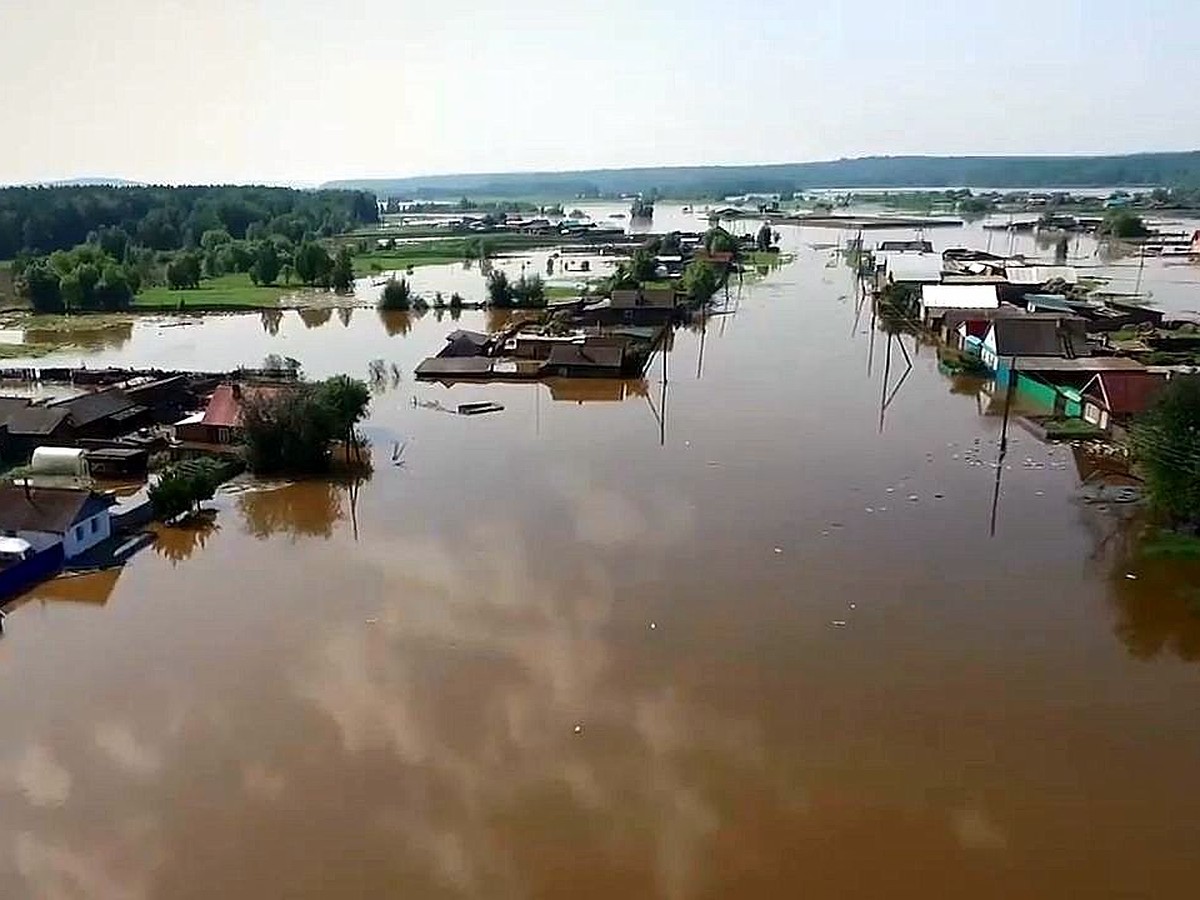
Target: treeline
(877, 171)
(40, 220)
(94, 248)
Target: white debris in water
(653, 626)
(778, 549)
(1131, 576)
(870, 509)
(578, 729)
(913, 498)
(854, 606)
(838, 623)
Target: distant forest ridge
(1180, 169)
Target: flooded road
(740, 636)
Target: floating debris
(778, 549)
(478, 408)
(913, 498)
(838, 623)
(1131, 576)
(653, 626)
(579, 729)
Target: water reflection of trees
(304, 509)
(111, 336)
(398, 323)
(1158, 611)
(271, 318)
(315, 317)
(345, 313)
(178, 543)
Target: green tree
(699, 281)
(1166, 441)
(312, 263)
(342, 277)
(397, 295)
(1122, 223)
(348, 401)
(183, 272)
(718, 240)
(182, 488)
(500, 292)
(266, 266)
(289, 431)
(764, 239)
(529, 291)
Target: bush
(291, 431)
(184, 487)
(1122, 223)
(397, 295)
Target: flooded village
(773, 525)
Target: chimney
(237, 391)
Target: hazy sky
(300, 90)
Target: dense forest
(1181, 169)
(38, 220)
(80, 248)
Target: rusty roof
(1126, 393)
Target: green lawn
(397, 261)
(227, 292)
(561, 292)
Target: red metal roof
(1128, 393)
(225, 405)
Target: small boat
(617, 216)
(478, 408)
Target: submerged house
(939, 299)
(221, 422)
(1116, 397)
(1011, 338)
(45, 518)
(102, 414)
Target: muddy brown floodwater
(737, 640)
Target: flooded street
(740, 635)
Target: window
(79, 532)
(95, 524)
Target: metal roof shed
(937, 298)
(913, 268)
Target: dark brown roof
(36, 420)
(46, 509)
(1029, 336)
(88, 408)
(11, 405)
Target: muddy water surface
(734, 638)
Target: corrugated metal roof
(913, 268)
(51, 510)
(1127, 393)
(959, 296)
(1079, 364)
(1041, 274)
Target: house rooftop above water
(52, 510)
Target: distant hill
(1169, 169)
(87, 182)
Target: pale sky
(297, 90)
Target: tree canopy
(1166, 440)
(290, 431)
(39, 220)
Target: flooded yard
(741, 634)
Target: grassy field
(398, 260)
(227, 292)
(561, 292)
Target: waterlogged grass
(561, 292)
(1172, 545)
(227, 292)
